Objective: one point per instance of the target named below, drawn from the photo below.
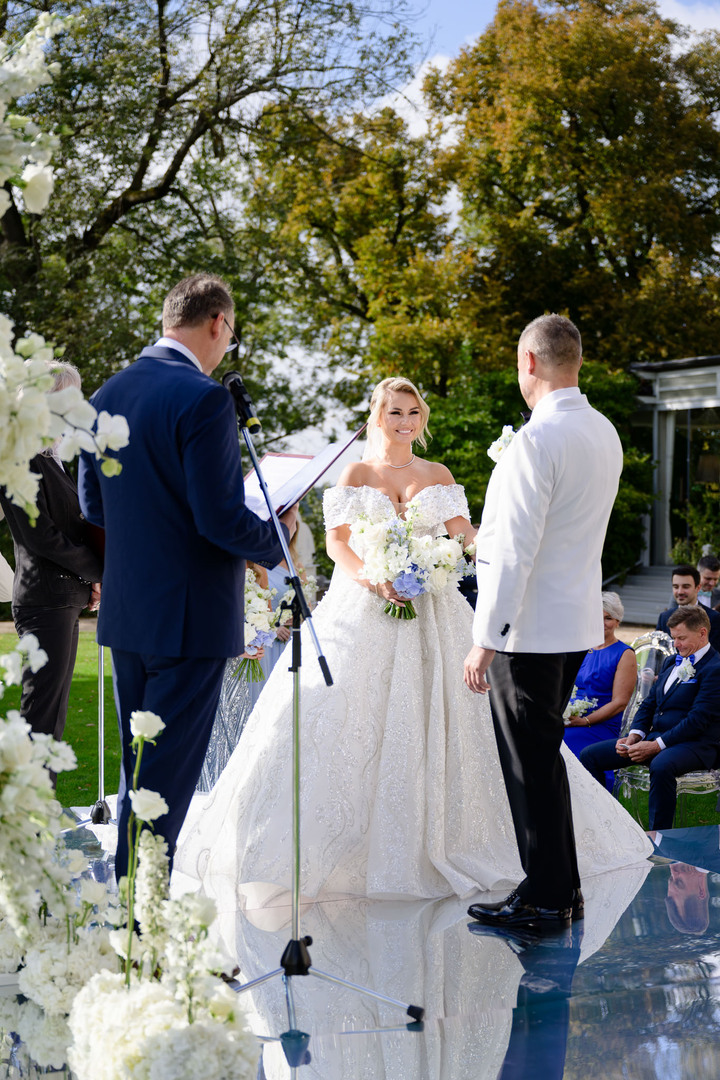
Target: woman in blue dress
(608, 673)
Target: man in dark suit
(177, 535)
(685, 587)
(676, 730)
(57, 574)
(709, 571)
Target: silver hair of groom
(613, 605)
(554, 340)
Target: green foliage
(703, 520)
(586, 156)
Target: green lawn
(80, 788)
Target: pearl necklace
(398, 466)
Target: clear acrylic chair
(651, 651)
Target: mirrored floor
(631, 992)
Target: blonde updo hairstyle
(379, 400)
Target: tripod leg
(240, 988)
(414, 1011)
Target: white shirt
(171, 343)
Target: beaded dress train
(401, 789)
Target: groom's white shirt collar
(550, 402)
(171, 343)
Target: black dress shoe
(578, 905)
(515, 914)
(476, 911)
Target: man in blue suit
(177, 533)
(676, 730)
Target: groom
(539, 609)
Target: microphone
(232, 381)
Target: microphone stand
(295, 959)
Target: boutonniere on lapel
(495, 449)
(684, 668)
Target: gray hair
(554, 340)
(195, 299)
(613, 605)
(65, 374)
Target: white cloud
(408, 101)
(697, 15)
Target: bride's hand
(387, 592)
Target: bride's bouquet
(414, 564)
(259, 627)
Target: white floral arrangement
(495, 449)
(26, 150)
(31, 417)
(414, 564)
(685, 670)
(140, 1004)
(259, 628)
(578, 706)
(282, 615)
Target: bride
(401, 789)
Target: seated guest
(685, 586)
(676, 730)
(709, 570)
(608, 673)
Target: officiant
(178, 533)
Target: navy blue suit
(177, 534)
(713, 616)
(688, 719)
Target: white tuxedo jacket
(546, 512)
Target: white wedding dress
(401, 789)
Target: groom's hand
(477, 662)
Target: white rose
(147, 805)
(437, 580)
(146, 724)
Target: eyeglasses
(235, 344)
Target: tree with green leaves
(587, 158)
(157, 105)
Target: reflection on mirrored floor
(633, 991)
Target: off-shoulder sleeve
(339, 506)
(448, 501)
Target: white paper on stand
(290, 476)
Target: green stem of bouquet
(249, 670)
(134, 826)
(407, 611)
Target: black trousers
(528, 695)
(45, 693)
(184, 692)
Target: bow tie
(679, 659)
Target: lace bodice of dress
(431, 507)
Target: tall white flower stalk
(146, 807)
